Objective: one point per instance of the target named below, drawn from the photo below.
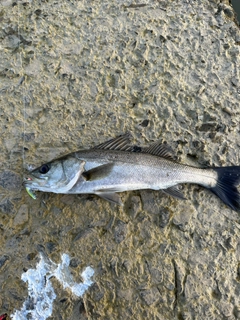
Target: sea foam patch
(41, 295)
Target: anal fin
(174, 192)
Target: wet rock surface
(74, 74)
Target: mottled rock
(56, 210)
(226, 309)
(150, 296)
(126, 294)
(7, 207)
(164, 217)
(51, 246)
(11, 42)
(21, 216)
(144, 123)
(156, 274)
(83, 234)
(10, 180)
(127, 264)
(148, 201)
(31, 256)
(3, 260)
(133, 206)
(74, 262)
(120, 231)
(183, 216)
(33, 68)
(79, 311)
(96, 293)
(68, 199)
(29, 136)
(179, 277)
(10, 144)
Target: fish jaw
(30, 188)
(32, 183)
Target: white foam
(39, 304)
(62, 273)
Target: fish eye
(44, 168)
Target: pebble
(10, 180)
(164, 218)
(134, 206)
(11, 42)
(7, 207)
(149, 203)
(150, 296)
(120, 231)
(183, 216)
(21, 216)
(3, 260)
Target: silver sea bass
(116, 166)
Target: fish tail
(226, 187)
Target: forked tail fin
(226, 188)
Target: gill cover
(57, 176)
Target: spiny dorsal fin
(98, 172)
(119, 143)
(159, 149)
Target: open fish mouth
(29, 190)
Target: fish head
(58, 176)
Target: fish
(117, 166)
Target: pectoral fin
(174, 192)
(111, 197)
(99, 172)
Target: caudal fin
(226, 188)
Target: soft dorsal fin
(119, 143)
(159, 149)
